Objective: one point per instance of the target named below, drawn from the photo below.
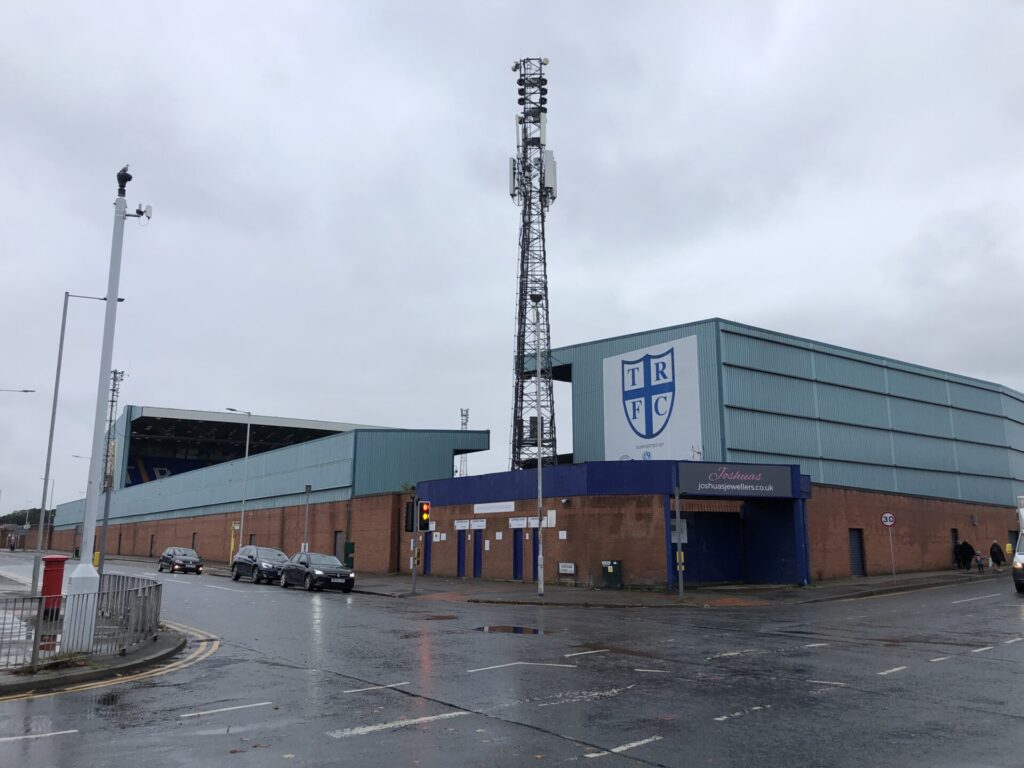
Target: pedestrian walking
(995, 552)
(967, 555)
(979, 560)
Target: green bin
(612, 573)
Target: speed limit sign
(888, 519)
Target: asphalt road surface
(927, 678)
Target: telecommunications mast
(532, 186)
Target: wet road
(299, 679)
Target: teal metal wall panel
(771, 433)
(768, 392)
(975, 459)
(924, 483)
(918, 386)
(923, 452)
(975, 398)
(1014, 435)
(852, 443)
(389, 460)
(986, 489)
(878, 478)
(849, 373)
(763, 355)
(1013, 407)
(852, 406)
(1017, 466)
(979, 428)
(921, 418)
(811, 467)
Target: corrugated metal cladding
(587, 393)
(847, 418)
(880, 424)
(338, 467)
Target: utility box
(611, 571)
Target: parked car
(180, 559)
(258, 564)
(313, 570)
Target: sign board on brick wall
(567, 568)
(494, 506)
(477, 525)
(703, 478)
(462, 525)
(517, 522)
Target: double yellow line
(208, 645)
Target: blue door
(427, 536)
(478, 555)
(536, 552)
(460, 554)
(517, 554)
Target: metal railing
(37, 631)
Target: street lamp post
(536, 298)
(84, 580)
(245, 472)
(305, 527)
(53, 422)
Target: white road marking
(228, 589)
(979, 650)
(574, 697)
(364, 729)
(624, 747)
(741, 713)
(1013, 640)
(376, 687)
(815, 645)
(939, 658)
(983, 597)
(729, 654)
(827, 682)
(584, 653)
(227, 709)
(665, 671)
(890, 671)
(522, 664)
(37, 735)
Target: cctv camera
(565, 501)
(147, 211)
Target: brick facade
(626, 528)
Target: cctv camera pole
(415, 543)
(538, 365)
(84, 579)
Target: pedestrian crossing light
(424, 517)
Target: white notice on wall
(487, 545)
(462, 525)
(437, 536)
(444, 537)
(497, 535)
(561, 536)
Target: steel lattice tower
(532, 186)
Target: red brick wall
(921, 535)
(627, 528)
(371, 523)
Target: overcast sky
(332, 236)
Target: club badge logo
(649, 392)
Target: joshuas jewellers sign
(736, 480)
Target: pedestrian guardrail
(41, 631)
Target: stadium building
(785, 454)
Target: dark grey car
(258, 564)
(180, 560)
(316, 571)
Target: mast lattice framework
(532, 186)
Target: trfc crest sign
(652, 402)
(649, 392)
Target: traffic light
(410, 517)
(424, 516)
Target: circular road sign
(888, 519)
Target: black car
(258, 564)
(180, 560)
(313, 570)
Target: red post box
(53, 581)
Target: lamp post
(53, 422)
(305, 526)
(84, 580)
(245, 472)
(536, 298)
